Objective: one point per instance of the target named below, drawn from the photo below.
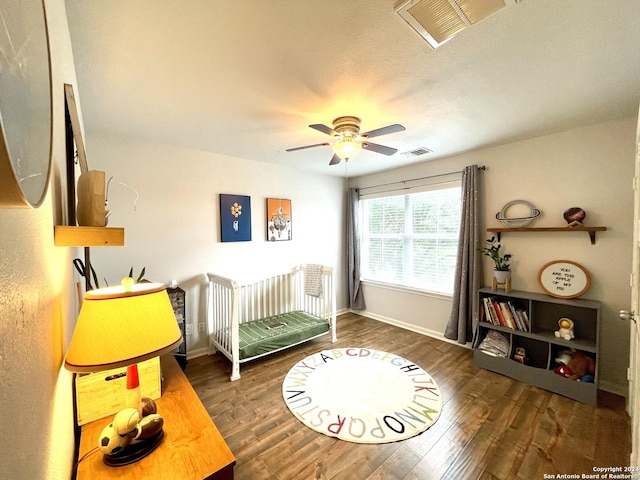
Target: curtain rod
(482, 167)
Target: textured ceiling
(246, 78)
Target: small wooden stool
(506, 285)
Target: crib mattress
(268, 334)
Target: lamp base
(135, 452)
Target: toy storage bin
(104, 393)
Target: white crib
(269, 315)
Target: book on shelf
(498, 311)
(526, 319)
(508, 318)
(516, 318)
(505, 314)
(489, 312)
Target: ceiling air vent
(438, 21)
(417, 152)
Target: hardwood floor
(491, 427)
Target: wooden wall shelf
(66, 236)
(590, 230)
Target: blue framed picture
(235, 218)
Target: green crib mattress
(272, 333)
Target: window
(412, 239)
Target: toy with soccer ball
(115, 436)
(110, 442)
(127, 428)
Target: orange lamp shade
(120, 326)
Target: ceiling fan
(348, 141)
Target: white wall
(590, 167)
(174, 231)
(38, 310)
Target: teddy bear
(580, 367)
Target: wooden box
(104, 393)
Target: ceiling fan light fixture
(348, 141)
(347, 147)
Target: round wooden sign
(564, 279)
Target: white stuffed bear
(566, 329)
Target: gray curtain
(356, 297)
(464, 316)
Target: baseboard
(410, 327)
(613, 388)
(198, 352)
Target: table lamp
(119, 327)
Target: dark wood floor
(491, 427)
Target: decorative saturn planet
(520, 217)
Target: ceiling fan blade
(396, 127)
(374, 147)
(335, 160)
(323, 128)
(307, 146)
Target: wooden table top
(192, 447)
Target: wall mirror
(25, 103)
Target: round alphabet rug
(362, 395)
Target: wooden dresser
(192, 447)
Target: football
(574, 215)
(126, 420)
(148, 427)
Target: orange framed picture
(278, 219)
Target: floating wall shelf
(590, 230)
(66, 236)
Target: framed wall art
(235, 218)
(564, 279)
(278, 219)
(25, 104)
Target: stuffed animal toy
(566, 329)
(564, 357)
(581, 366)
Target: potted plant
(502, 269)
